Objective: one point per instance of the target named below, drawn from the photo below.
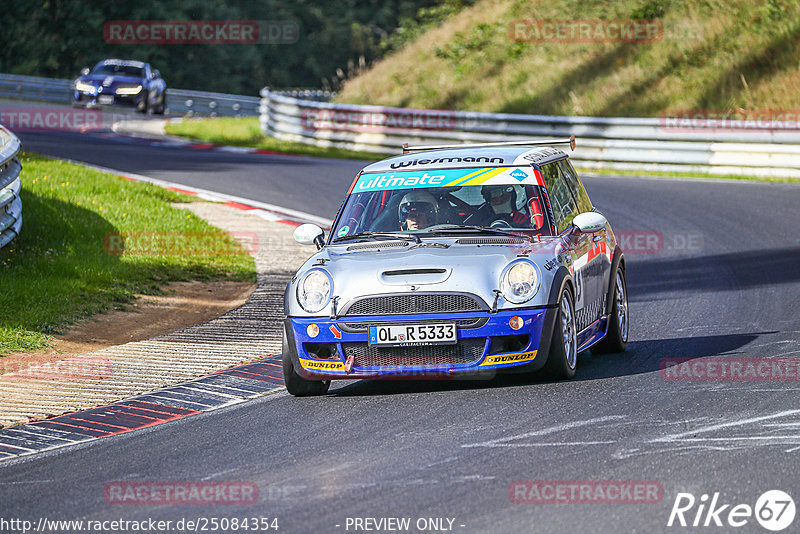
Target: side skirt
(592, 333)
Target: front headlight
(314, 290)
(84, 87)
(129, 90)
(519, 281)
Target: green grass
(246, 132)
(61, 269)
(725, 55)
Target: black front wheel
(563, 357)
(144, 103)
(296, 384)
(162, 106)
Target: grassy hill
(713, 55)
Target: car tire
(159, 110)
(562, 359)
(143, 108)
(296, 384)
(617, 335)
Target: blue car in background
(116, 82)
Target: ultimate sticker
(442, 178)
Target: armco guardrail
(742, 147)
(10, 203)
(179, 101)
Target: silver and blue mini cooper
(456, 261)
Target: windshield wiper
(473, 228)
(378, 235)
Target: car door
(600, 255)
(587, 271)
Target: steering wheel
(500, 223)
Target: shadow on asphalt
(648, 356)
(718, 272)
(641, 357)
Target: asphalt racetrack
(713, 273)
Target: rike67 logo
(774, 510)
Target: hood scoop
(415, 276)
(405, 272)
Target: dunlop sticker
(498, 359)
(322, 366)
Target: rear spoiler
(543, 142)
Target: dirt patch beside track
(149, 361)
(182, 305)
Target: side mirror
(84, 71)
(156, 74)
(309, 234)
(589, 222)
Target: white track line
(683, 435)
(503, 442)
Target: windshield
(422, 202)
(119, 70)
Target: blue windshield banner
(445, 178)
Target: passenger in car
(502, 203)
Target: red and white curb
(269, 212)
(218, 390)
(162, 139)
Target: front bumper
(481, 350)
(88, 99)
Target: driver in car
(417, 210)
(502, 199)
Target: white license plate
(413, 334)
(105, 99)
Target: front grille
(465, 351)
(416, 303)
(472, 322)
